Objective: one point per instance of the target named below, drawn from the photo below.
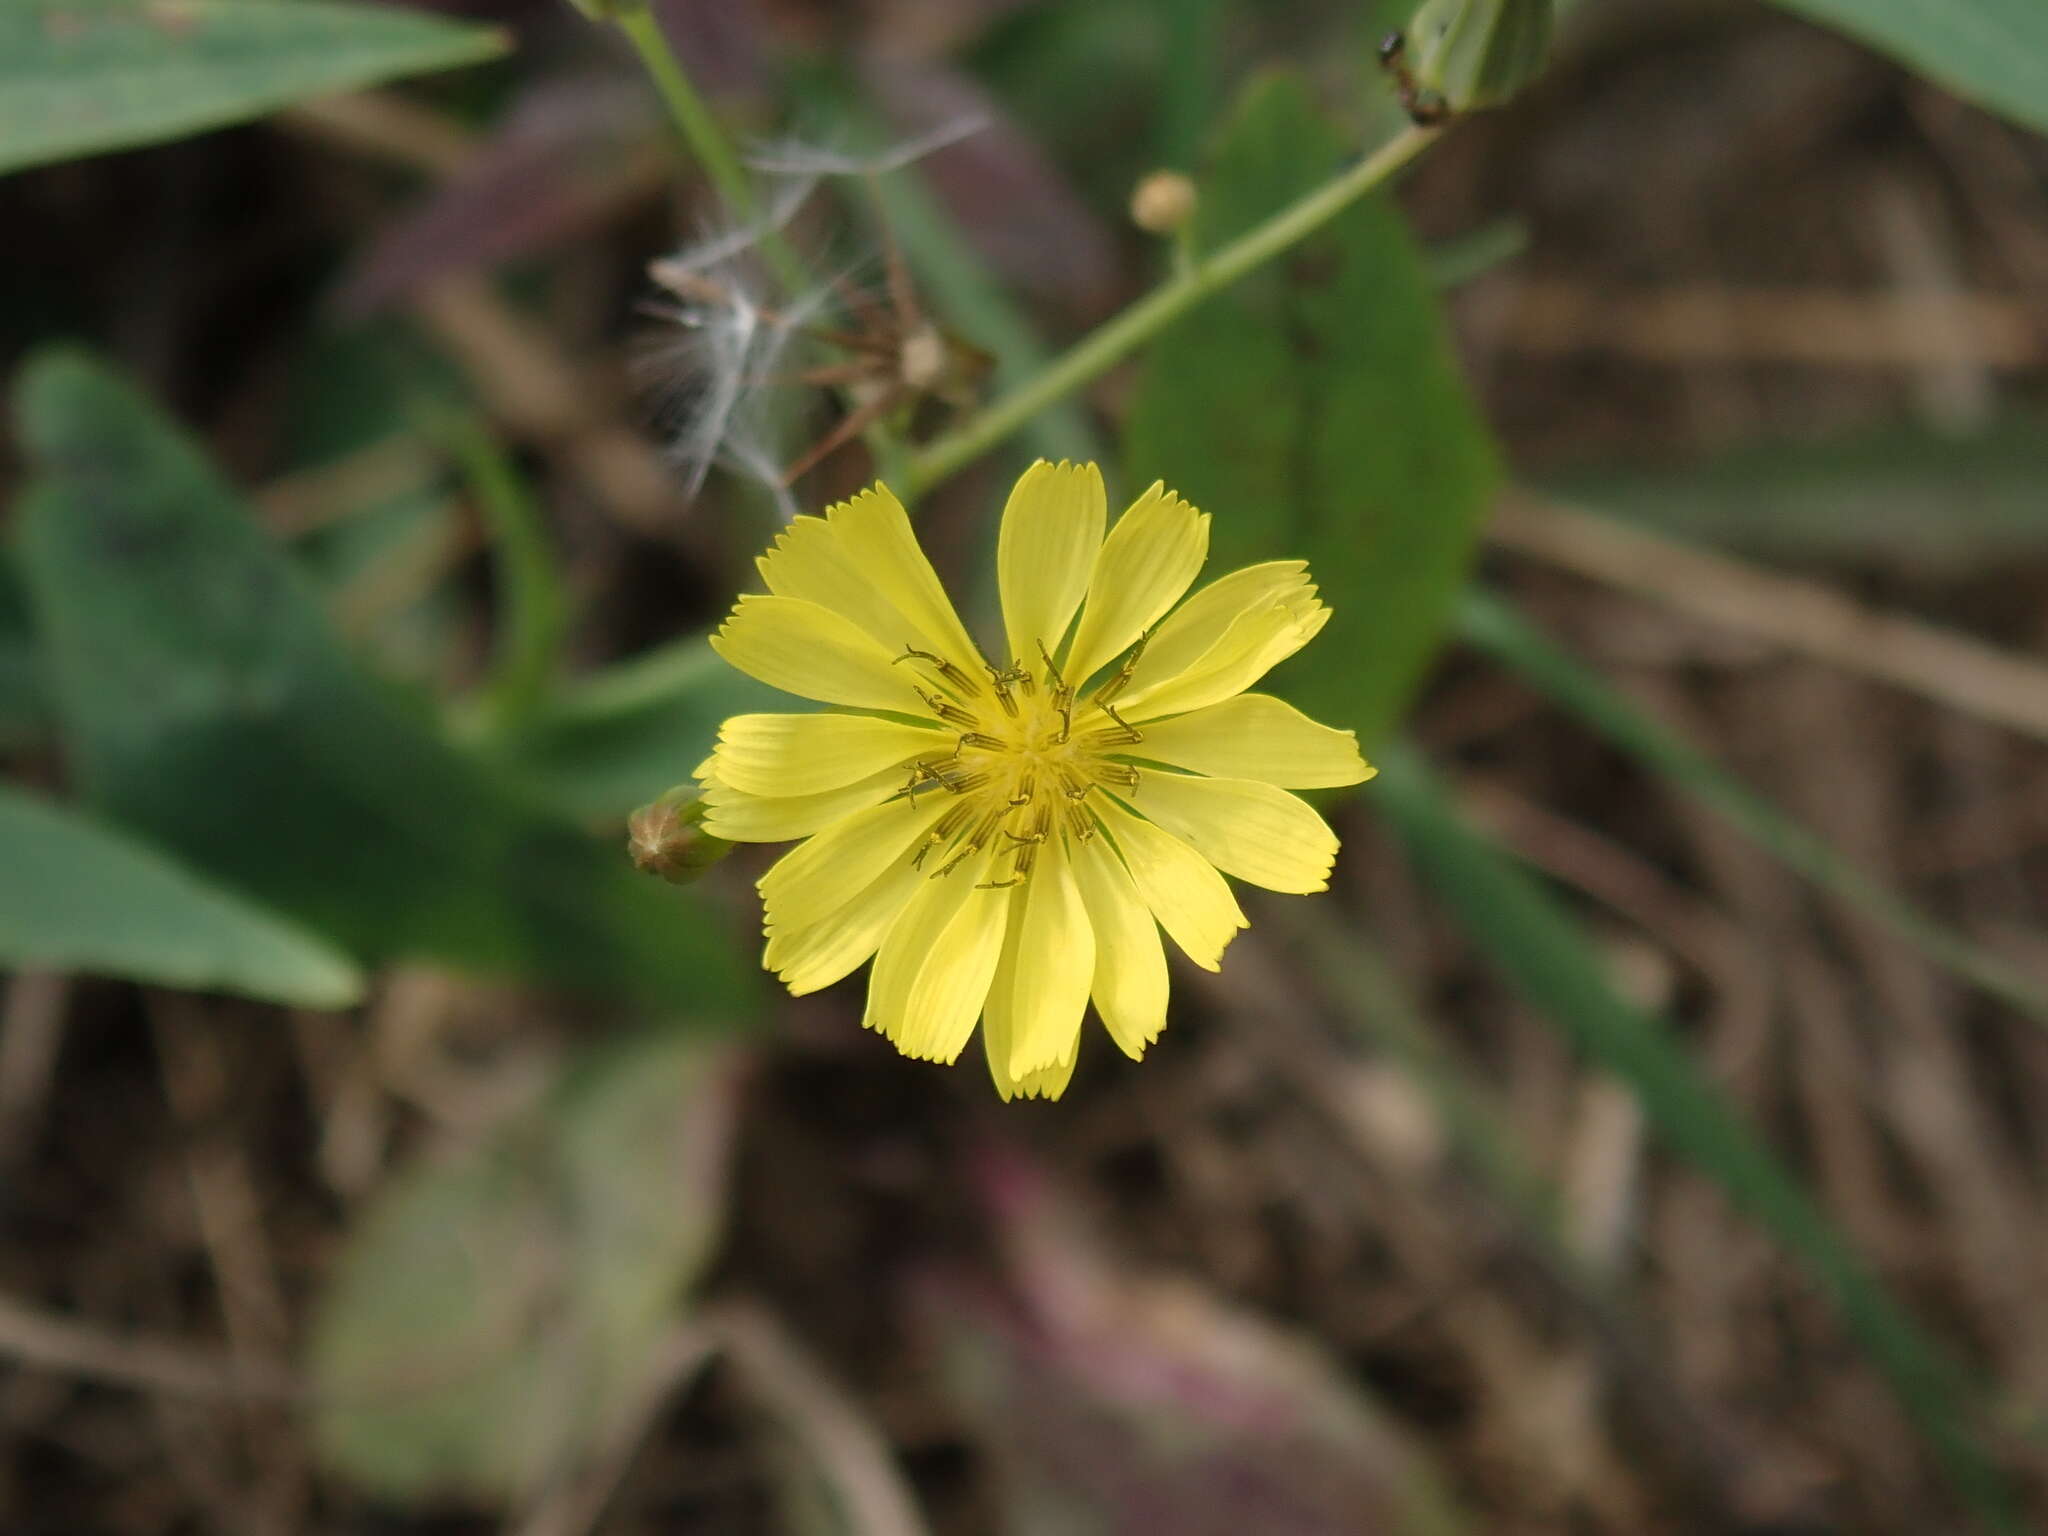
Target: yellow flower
(1007, 841)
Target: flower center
(1027, 754)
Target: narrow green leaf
(24, 702)
(533, 608)
(1529, 935)
(77, 896)
(205, 702)
(1904, 496)
(79, 77)
(496, 1312)
(1992, 52)
(1494, 627)
(1315, 409)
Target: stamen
(947, 825)
(1001, 679)
(1117, 773)
(1026, 788)
(953, 674)
(1061, 695)
(1122, 680)
(1052, 671)
(946, 709)
(981, 739)
(1041, 824)
(1130, 732)
(1080, 825)
(975, 841)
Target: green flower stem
(707, 141)
(699, 128)
(1116, 338)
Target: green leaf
(1315, 409)
(80, 77)
(1494, 627)
(205, 702)
(1923, 501)
(1530, 936)
(1992, 52)
(616, 738)
(75, 896)
(495, 1312)
(24, 703)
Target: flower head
(1007, 839)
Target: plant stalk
(1116, 338)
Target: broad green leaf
(205, 702)
(1531, 937)
(77, 896)
(616, 738)
(1923, 501)
(495, 1311)
(1992, 52)
(78, 77)
(1494, 627)
(1316, 411)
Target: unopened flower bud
(668, 839)
(1463, 55)
(1163, 202)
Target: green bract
(1462, 55)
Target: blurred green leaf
(1316, 410)
(205, 702)
(1531, 937)
(24, 702)
(77, 896)
(1496, 628)
(616, 738)
(79, 77)
(1992, 52)
(532, 607)
(495, 1311)
(1924, 501)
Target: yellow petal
(1052, 527)
(739, 817)
(1181, 887)
(875, 534)
(1256, 736)
(809, 561)
(785, 755)
(1245, 828)
(808, 650)
(1047, 1082)
(1130, 984)
(1055, 963)
(1258, 640)
(823, 952)
(933, 973)
(810, 883)
(1188, 632)
(1144, 566)
(997, 1034)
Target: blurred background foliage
(1641, 1137)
